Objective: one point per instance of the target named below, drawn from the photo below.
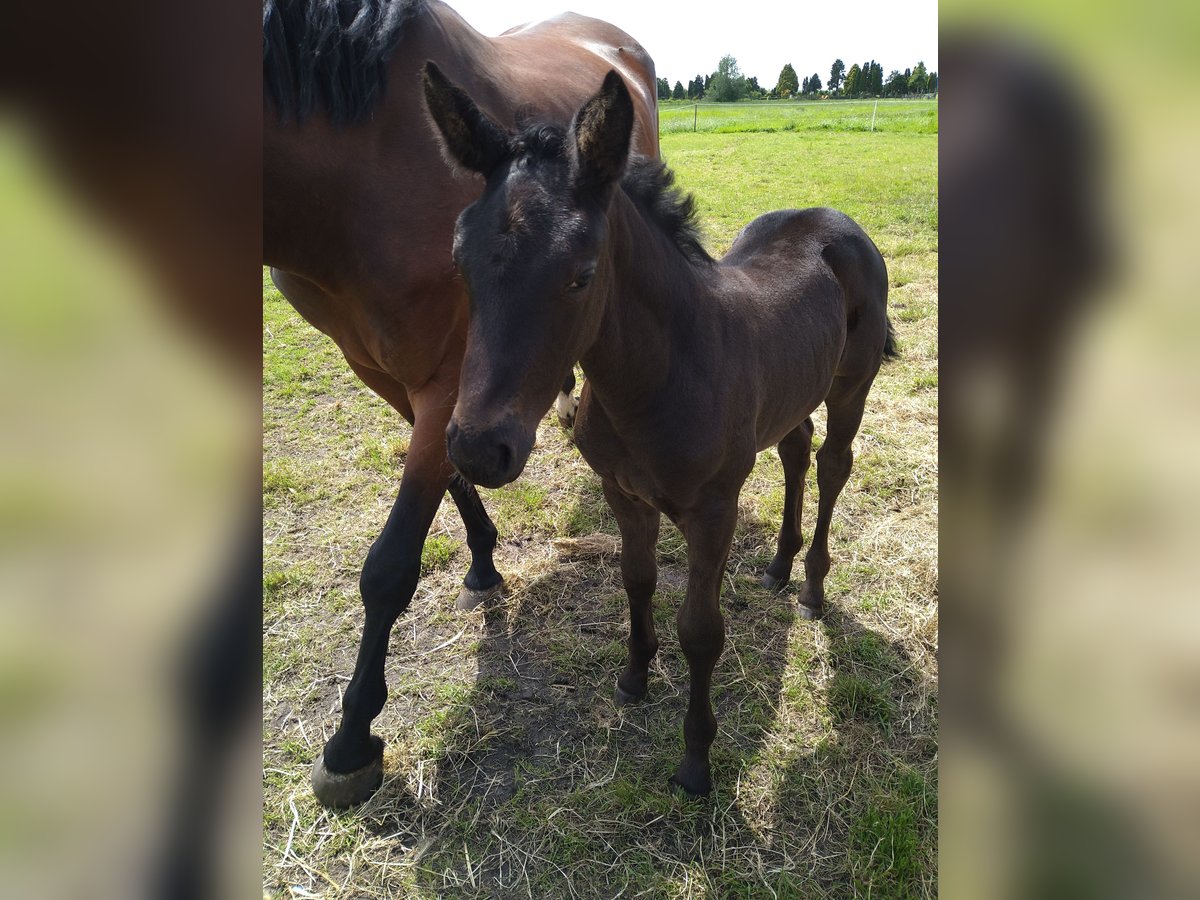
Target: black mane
(332, 51)
(647, 182)
(652, 186)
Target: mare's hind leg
(351, 766)
(482, 581)
(567, 405)
(834, 459)
(639, 571)
(795, 452)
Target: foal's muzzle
(489, 457)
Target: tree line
(728, 84)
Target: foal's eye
(581, 280)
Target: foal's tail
(890, 351)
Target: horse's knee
(388, 582)
(702, 638)
(833, 464)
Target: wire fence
(916, 115)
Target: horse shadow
(541, 780)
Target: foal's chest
(642, 464)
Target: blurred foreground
(1070, 631)
(129, 455)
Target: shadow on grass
(544, 786)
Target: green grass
(907, 116)
(509, 772)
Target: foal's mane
(334, 52)
(647, 182)
(650, 184)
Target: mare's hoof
(771, 583)
(340, 790)
(692, 787)
(623, 697)
(810, 612)
(469, 599)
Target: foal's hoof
(692, 786)
(340, 790)
(468, 598)
(771, 583)
(811, 612)
(622, 697)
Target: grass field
(904, 116)
(509, 772)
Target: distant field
(509, 772)
(909, 116)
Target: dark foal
(574, 251)
(358, 217)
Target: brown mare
(358, 215)
(575, 251)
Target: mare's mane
(332, 52)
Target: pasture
(509, 771)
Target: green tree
(874, 78)
(836, 74)
(664, 89)
(787, 83)
(678, 93)
(727, 84)
(933, 82)
(896, 85)
(814, 83)
(919, 82)
(853, 77)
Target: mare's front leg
(482, 581)
(709, 533)
(351, 766)
(639, 571)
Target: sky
(687, 38)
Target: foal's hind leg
(482, 580)
(795, 452)
(639, 571)
(834, 459)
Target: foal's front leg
(639, 571)
(702, 635)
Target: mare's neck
(655, 297)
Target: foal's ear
(469, 137)
(601, 133)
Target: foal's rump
(792, 252)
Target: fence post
(695, 116)
(875, 110)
